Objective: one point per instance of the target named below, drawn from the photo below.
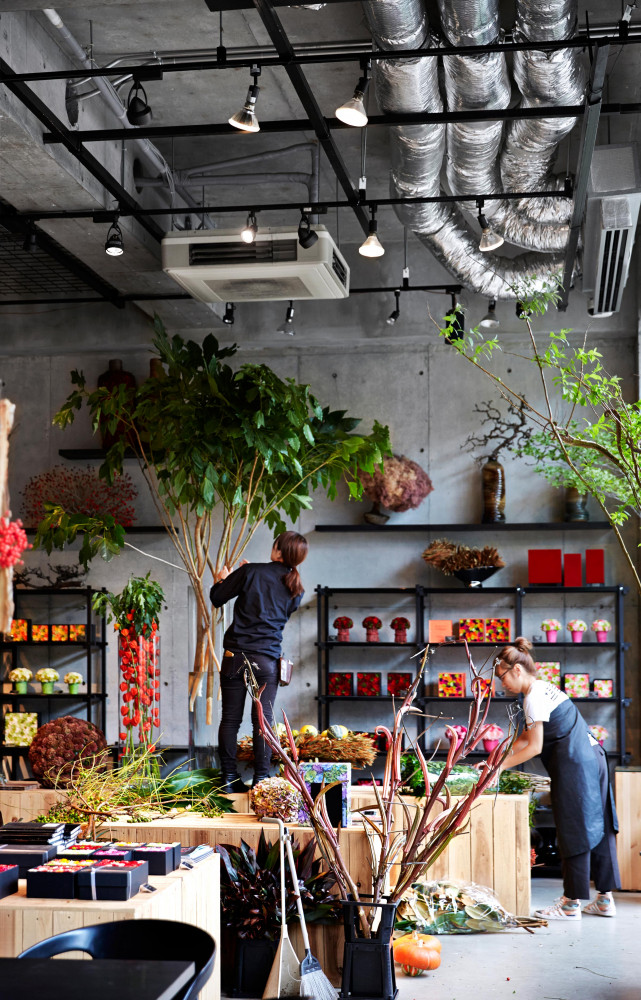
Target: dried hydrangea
(61, 743)
(402, 485)
(275, 797)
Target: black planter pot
(246, 965)
(368, 963)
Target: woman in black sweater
(266, 595)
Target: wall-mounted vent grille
(268, 252)
(340, 268)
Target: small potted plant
(576, 628)
(400, 626)
(372, 624)
(73, 679)
(551, 627)
(275, 797)
(399, 484)
(600, 733)
(601, 627)
(343, 624)
(47, 677)
(20, 678)
(492, 736)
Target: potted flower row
(492, 736)
(372, 625)
(576, 627)
(47, 677)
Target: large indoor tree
(222, 451)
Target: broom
(284, 977)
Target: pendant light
(248, 234)
(246, 119)
(138, 110)
(288, 326)
(372, 246)
(114, 244)
(353, 112)
(489, 239)
(490, 319)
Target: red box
(544, 566)
(398, 684)
(572, 575)
(594, 566)
(368, 684)
(341, 685)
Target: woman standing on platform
(266, 595)
(582, 800)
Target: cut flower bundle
(448, 557)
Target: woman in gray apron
(582, 801)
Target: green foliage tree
(599, 452)
(208, 439)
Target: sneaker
(561, 909)
(602, 906)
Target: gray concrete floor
(592, 959)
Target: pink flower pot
(371, 635)
(577, 636)
(343, 635)
(551, 635)
(601, 636)
(490, 745)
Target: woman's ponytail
(293, 548)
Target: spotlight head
(248, 234)
(395, 314)
(30, 244)
(489, 239)
(490, 319)
(306, 235)
(246, 119)
(114, 244)
(353, 112)
(138, 110)
(288, 326)
(372, 246)
(228, 318)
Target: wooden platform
(27, 803)
(190, 896)
(627, 790)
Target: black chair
(143, 939)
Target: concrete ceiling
(34, 176)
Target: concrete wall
(406, 377)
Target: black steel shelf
(132, 529)
(365, 697)
(501, 526)
(57, 695)
(495, 699)
(81, 454)
(581, 645)
(75, 644)
(366, 590)
(363, 642)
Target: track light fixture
(288, 325)
(353, 111)
(306, 235)
(30, 244)
(372, 246)
(393, 316)
(489, 239)
(114, 244)
(246, 119)
(228, 318)
(490, 319)
(138, 110)
(248, 234)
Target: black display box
(26, 856)
(110, 881)
(162, 858)
(8, 880)
(49, 882)
(113, 854)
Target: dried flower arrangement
(62, 744)
(79, 491)
(448, 557)
(400, 485)
(356, 749)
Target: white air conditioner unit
(612, 211)
(218, 266)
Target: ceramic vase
(551, 635)
(20, 687)
(576, 505)
(493, 482)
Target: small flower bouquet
(551, 627)
(461, 733)
(343, 624)
(372, 624)
(577, 627)
(600, 733)
(399, 683)
(400, 626)
(601, 627)
(47, 677)
(492, 736)
(368, 685)
(20, 677)
(74, 680)
(341, 685)
(275, 797)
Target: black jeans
(232, 684)
(601, 862)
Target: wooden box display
(368, 684)
(603, 687)
(550, 672)
(576, 685)
(451, 685)
(399, 683)
(497, 629)
(340, 685)
(472, 629)
(112, 880)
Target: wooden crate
(190, 896)
(627, 790)
(27, 803)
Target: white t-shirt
(541, 700)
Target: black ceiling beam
(320, 208)
(155, 71)
(297, 78)
(324, 126)
(590, 124)
(46, 117)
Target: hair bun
(522, 644)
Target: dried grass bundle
(448, 557)
(356, 749)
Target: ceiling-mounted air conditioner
(217, 266)
(612, 211)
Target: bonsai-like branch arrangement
(500, 431)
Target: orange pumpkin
(417, 951)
